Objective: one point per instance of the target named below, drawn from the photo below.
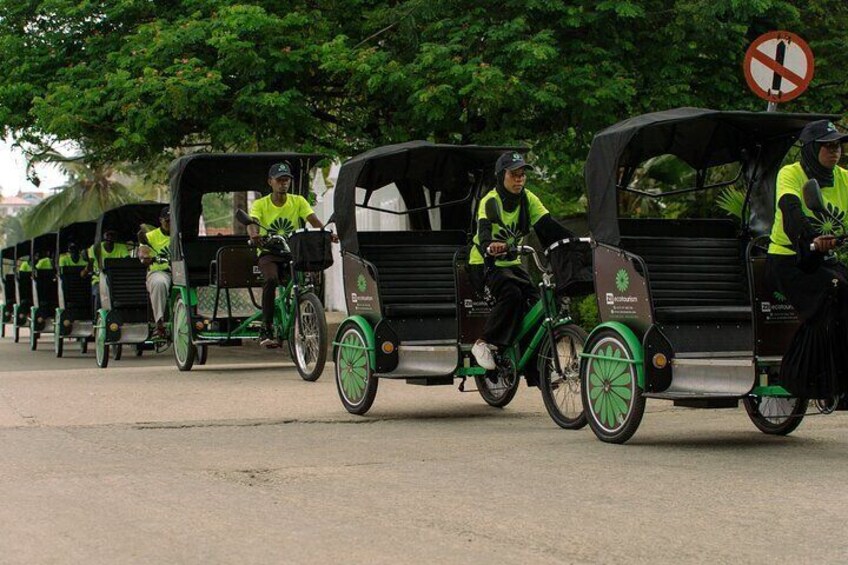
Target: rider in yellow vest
(72, 257)
(109, 249)
(517, 210)
(24, 266)
(156, 254)
(282, 213)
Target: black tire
(561, 393)
(3, 329)
(309, 353)
(58, 344)
(773, 415)
(101, 348)
(33, 336)
(17, 333)
(202, 354)
(355, 380)
(139, 349)
(117, 352)
(185, 352)
(612, 416)
(83, 343)
(498, 387)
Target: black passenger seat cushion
(415, 271)
(694, 279)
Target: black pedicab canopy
(701, 138)
(192, 176)
(446, 173)
(43, 245)
(7, 259)
(125, 220)
(23, 249)
(81, 233)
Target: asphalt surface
(243, 462)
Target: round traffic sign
(778, 66)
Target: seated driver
(518, 210)
(282, 213)
(155, 252)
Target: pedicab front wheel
(308, 338)
(185, 352)
(561, 392)
(775, 415)
(499, 386)
(101, 348)
(355, 380)
(612, 399)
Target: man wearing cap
(803, 269)
(492, 255)
(282, 213)
(155, 252)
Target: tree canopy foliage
(139, 81)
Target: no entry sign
(778, 66)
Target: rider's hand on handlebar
(497, 248)
(256, 240)
(825, 243)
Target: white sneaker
(482, 352)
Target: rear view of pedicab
(23, 288)
(7, 279)
(687, 312)
(414, 313)
(74, 318)
(124, 317)
(216, 278)
(45, 292)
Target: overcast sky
(13, 173)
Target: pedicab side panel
(362, 292)
(473, 305)
(622, 288)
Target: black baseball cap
(822, 131)
(511, 161)
(278, 170)
(165, 212)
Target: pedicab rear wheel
(612, 399)
(101, 348)
(83, 343)
(33, 336)
(309, 350)
(185, 352)
(355, 380)
(499, 386)
(202, 354)
(17, 333)
(117, 352)
(561, 393)
(774, 415)
(58, 343)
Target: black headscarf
(512, 201)
(813, 167)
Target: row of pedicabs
(685, 311)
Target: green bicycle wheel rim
(353, 366)
(611, 385)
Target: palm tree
(90, 191)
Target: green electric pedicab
(217, 283)
(7, 279)
(413, 312)
(125, 317)
(23, 288)
(686, 311)
(74, 317)
(45, 292)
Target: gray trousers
(159, 288)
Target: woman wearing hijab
(517, 210)
(806, 272)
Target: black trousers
(274, 270)
(512, 290)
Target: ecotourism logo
(361, 283)
(622, 280)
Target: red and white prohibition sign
(779, 66)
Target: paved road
(242, 462)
